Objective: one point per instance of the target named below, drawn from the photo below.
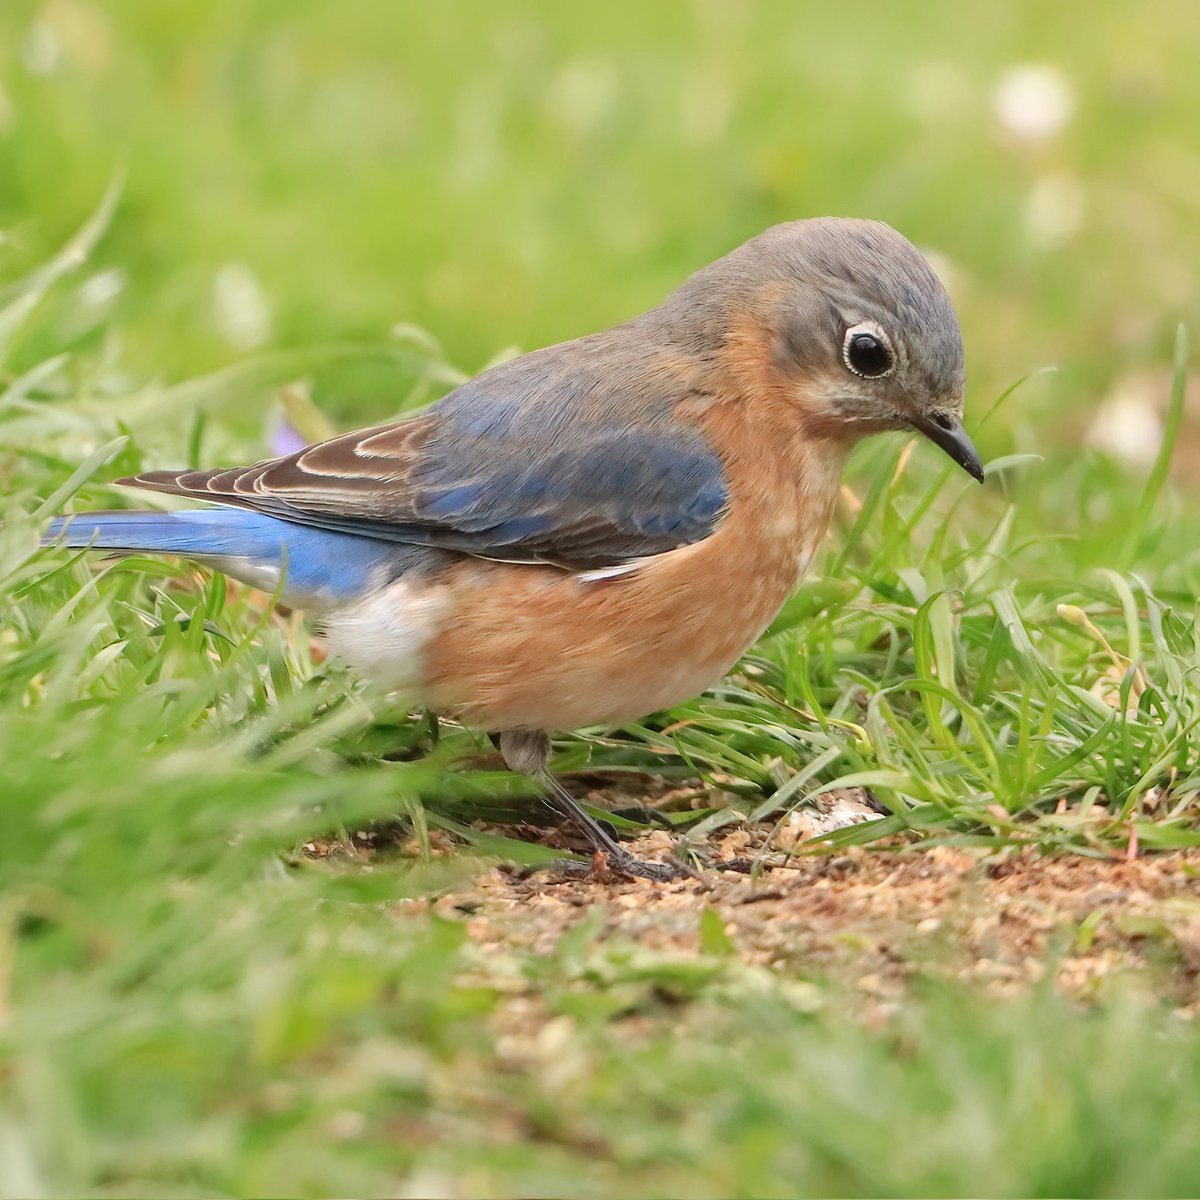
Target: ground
(868, 917)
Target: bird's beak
(947, 431)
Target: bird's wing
(496, 473)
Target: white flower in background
(1128, 426)
(101, 289)
(1054, 209)
(40, 50)
(1034, 102)
(583, 94)
(240, 307)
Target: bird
(597, 530)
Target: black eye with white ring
(866, 352)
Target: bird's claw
(606, 867)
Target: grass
(188, 1004)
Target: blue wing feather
(557, 456)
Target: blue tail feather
(322, 567)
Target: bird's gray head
(861, 329)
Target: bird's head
(862, 334)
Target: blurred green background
(303, 173)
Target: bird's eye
(866, 352)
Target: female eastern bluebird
(597, 530)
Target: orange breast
(524, 647)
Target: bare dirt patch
(877, 918)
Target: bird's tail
(322, 568)
(204, 532)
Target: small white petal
(240, 307)
(102, 288)
(1034, 102)
(1128, 426)
(40, 51)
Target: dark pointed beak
(947, 431)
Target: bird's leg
(529, 754)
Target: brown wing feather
(365, 472)
(548, 458)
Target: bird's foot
(529, 753)
(607, 867)
(658, 872)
